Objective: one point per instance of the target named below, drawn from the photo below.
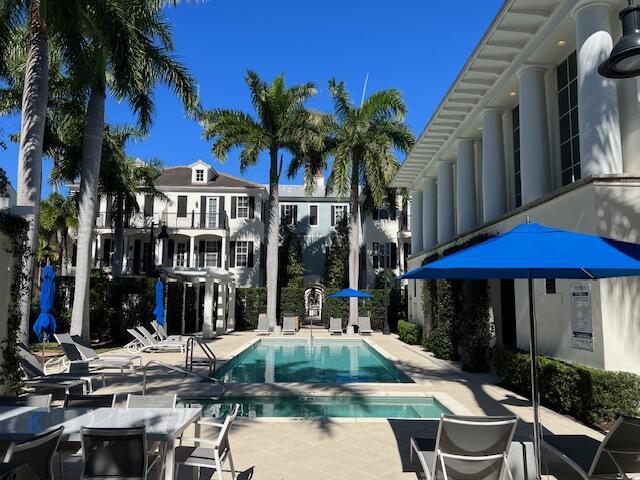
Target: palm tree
(282, 124)
(58, 215)
(130, 44)
(362, 143)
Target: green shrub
(474, 327)
(250, 302)
(292, 301)
(588, 394)
(410, 332)
(439, 342)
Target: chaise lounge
(76, 350)
(335, 325)
(263, 325)
(364, 326)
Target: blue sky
(417, 46)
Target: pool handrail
(176, 369)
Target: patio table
(161, 424)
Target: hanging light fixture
(163, 235)
(624, 59)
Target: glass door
(212, 212)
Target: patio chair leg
(195, 473)
(233, 470)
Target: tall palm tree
(282, 124)
(129, 44)
(362, 144)
(58, 215)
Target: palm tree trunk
(89, 173)
(273, 239)
(65, 252)
(354, 238)
(118, 236)
(34, 112)
(60, 245)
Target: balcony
(193, 220)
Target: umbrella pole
(535, 395)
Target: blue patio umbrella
(158, 312)
(45, 324)
(350, 293)
(536, 251)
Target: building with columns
(529, 128)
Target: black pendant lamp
(624, 60)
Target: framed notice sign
(581, 320)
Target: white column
(429, 213)
(600, 148)
(494, 182)
(125, 253)
(446, 213)
(477, 151)
(221, 313)
(191, 261)
(535, 151)
(630, 123)
(223, 252)
(207, 323)
(231, 316)
(466, 186)
(416, 221)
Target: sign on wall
(581, 320)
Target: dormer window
(199, 175)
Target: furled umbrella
(158, 311)
(45, 324)
(532, 251)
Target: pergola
(225, 314)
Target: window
(182, 206)
(567, 73)
(242, 254)
(339, 212)
(313, 215)
(181, 254)
(148, 206)
(243, 207)
(515, 115)
(381, 254)
(288, 214)
(210, 254)
(550, 285)
(199, 175)
(381, 213)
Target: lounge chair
(364, 326)
(162, 344)
(335, 325)
(161, 333)
(143, 344)
(36, 378)
(76, 349)
(466, 447)
(208, 453)
(288, 326)
(617, 456)
(263, 325)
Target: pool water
(326, 361)
(322, 407)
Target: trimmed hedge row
(409, 332)
(251, 302)
(588, 394)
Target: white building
(213, 220)
(529, 127)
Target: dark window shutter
(250, 256)
(203, 211)
(221, 214)
(393, 212)
(363, 260)
(148, 206)
(252, 206)
(182, 206)
(376, 255)
(394, 256)
(376, 214)
(232, 252)
(170, 248)
(74, 255)
(106, 249)
(294, 215)
(333, 215)
(234, 207)
(282, 218)
(219, 253)
(201, 254)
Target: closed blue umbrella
(350, 293)
(45, 325)
(536, 251)
(158, 312)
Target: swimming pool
(322, 407)
(326, 361)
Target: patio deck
(367, 448)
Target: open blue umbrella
(536, 251)
(350, 293)
(158, 312)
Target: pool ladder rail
(210, 359)
(175, 368)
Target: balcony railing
(173, 220)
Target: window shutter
(232, 252)
(376, 256)
(182, 206)
(363, 260)
(294, 216)
(376, 214)
(170, 249)
(394, 256)
(203, 211)
(148, 206)
(222, 217)
(219, 253)
(106, 249)
(250, 256)
(234, 208)
(252, 206)
(333, 215)
(282, 219)
(393, 210)
(109, 212)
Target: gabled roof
(181, 177)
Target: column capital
(539, 67)
(491, 110)
(468, 140)
(589, 3)
(444, 162)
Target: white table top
(21, 423)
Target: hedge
(250, 302)
(292, 301)
(409, 332)
(588, 394)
